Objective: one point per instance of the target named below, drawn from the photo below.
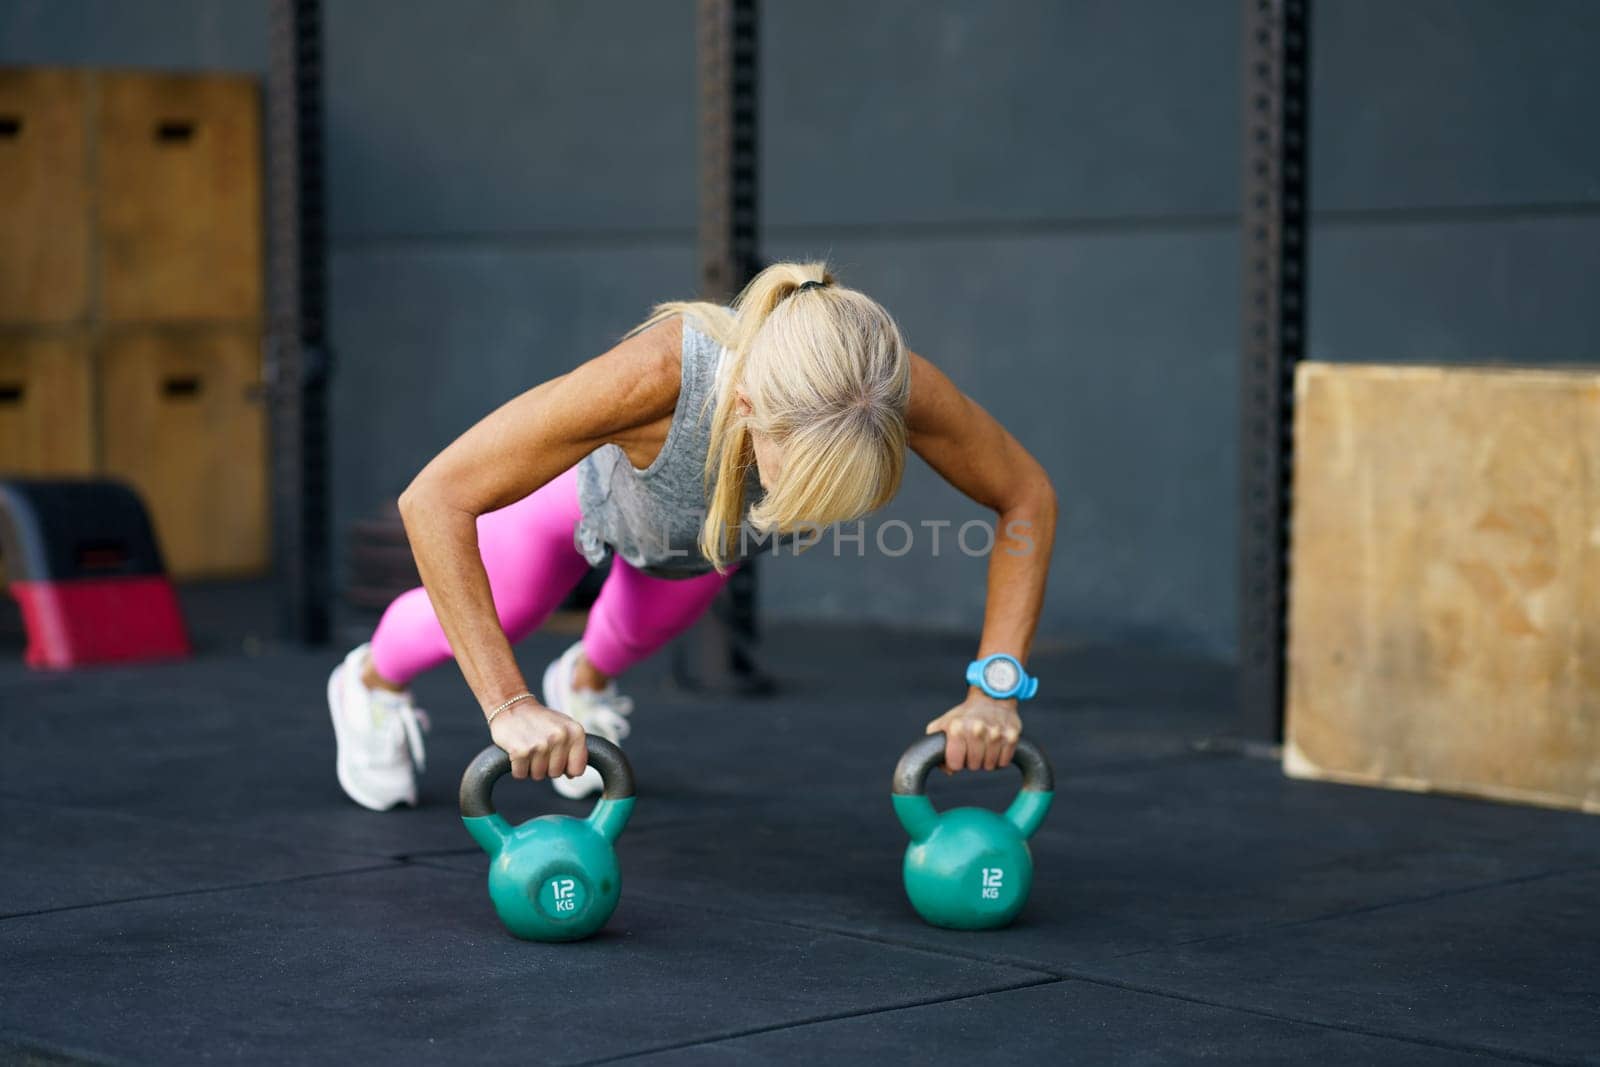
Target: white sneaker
(603, 712)
(379, 734)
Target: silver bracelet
(524, 695)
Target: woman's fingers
(1008, 746)
(992, 747)
(554, 763)
(546, 752)
(1002, 746)
(548, 745)
(955, 748)
(960, 747)
(578, 753)
(976, 746)
(535, 758)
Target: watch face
(1000, 675)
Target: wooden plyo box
(46, 404)
(44, 190)
(1445, 582)
(182, 420)
(179, 197)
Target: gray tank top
(651, 518)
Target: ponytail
(835, 392)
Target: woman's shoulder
(655, 354)
(677, 352)
(668, 337)
(637, 381)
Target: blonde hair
(828, 380)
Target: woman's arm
(626, 397)
(974, 453)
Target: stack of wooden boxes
(131, 298)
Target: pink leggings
(532, 563)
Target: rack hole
(174, 131)
(10, 126)
(183, 385)
(11, 392)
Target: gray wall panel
(430, 340)
(177, 34)
(1515, 291)
(512, 184)
(1433, 103)
(487, 116)
(1111, 357)
(903, 111)
(1042, 192)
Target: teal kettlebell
(969, 868)
(553, 878)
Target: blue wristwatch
(1002, 677)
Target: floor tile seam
(1091, 978)
(178, 822)
(231, 887)
(1410, 1040)
(34, 1042)
(844, 932)
(436, 863)
(1046, 975)
(30, 1043)
(1511, 1055)
(1366, 909)
(422, 856)
(830, 1017)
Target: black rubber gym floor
(181, 879)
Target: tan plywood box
(179, 197)
(181, 419)
(45, 405)
(44, 181)
(1445, 589)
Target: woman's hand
(980, 732)
(541, 743)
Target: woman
(704, 436)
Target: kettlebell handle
(477, 784)
(911, 773)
